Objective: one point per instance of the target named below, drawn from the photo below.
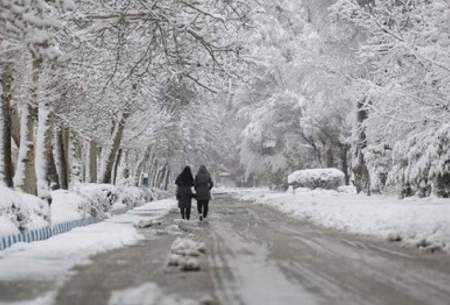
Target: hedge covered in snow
(421, 164)
(324, 178)
(20, 212)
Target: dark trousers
(202, 207)
(185, 213)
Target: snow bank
(68, 206)
(100, 197)
(56, 255)
(131, 196)
(161, 194)
(19, 211)
(51, 258)
(324, 178)
(422, 222)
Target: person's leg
(188, 212)
(199, 207)
(205, 208)
(182, 212)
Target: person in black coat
(203, 185)
(184, 183)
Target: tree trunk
(92, 162)
(116, 165)
(43, 149)
(53, 173)
(25, 179)
(76, 157)
(147, 169)
(361, 177)
(6, 167)
(155, 174)
(167, 178)
(15, 125)
(344, 162)
(330, 156)
(140, 166)
(61, 156)
(111, 151)
(150, 171)
(159, 177)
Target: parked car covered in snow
(325, 178)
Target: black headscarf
(185, 178)
(202, 175)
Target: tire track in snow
(332, 267)
(257, 279)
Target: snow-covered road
(271, 259)
(256, 255)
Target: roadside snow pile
(161, 194)
(68, 206)
(184, 254)
(96, 200)
(422, 222)
(49, 258)
(104, 198)
(52, 258)
(147, 294)
(324, 178)
(147, 223)
(187, 247)
(20, 211)
(131, 196)
(99, 197)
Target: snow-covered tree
(406, 52)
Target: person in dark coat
(184, 183)
(203, 185)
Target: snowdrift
(324, 178)
(20, 212)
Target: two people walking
(202, 185)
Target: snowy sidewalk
(248, 254)
(424, 223)
(48, 261)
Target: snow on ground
(184, 253)
(68, 206)
(21, 212)
(45, 299)
(423, 222)
(187, 247)
(147, 294)
(53, 257)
